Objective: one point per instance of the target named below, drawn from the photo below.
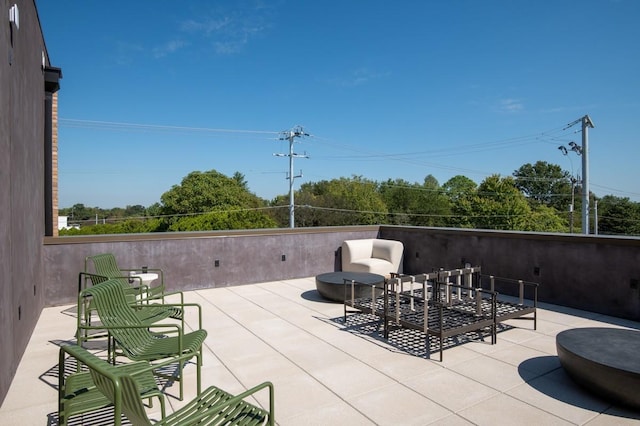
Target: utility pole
(586, 123)
(290, 136)
(584, 152)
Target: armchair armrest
(182, 305)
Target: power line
(179, 215)
(339, 210)
(616, 190)
(112, 125)
(451, 150)
(551, 136)
(411, 157)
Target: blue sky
(153, 90)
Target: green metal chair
(211, 407)
(147, 313)
(140, 341)
(77, 393)
(105, 264)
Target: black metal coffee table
(605, 361)
(331, 284)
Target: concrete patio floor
(329, 373)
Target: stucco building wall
(22, 182)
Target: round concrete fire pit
(331, 285)
(604, 361)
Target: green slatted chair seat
(154, 312)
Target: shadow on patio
(327, 373)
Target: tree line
(536, 197)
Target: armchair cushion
(372, 255)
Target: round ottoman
(605, 361)
(331, 285)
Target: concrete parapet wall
(595, 273)
(188, 260)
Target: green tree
(415, 204)
(203, 192)
(459, 187)
(461, 191)
(343, 201)
(433, 206)
(618, 216)
(78, 212)
(121, 227)
(544, 183)
(200, 192)
(154, 210)
(218, 220)
(240, 179)
(116, 212)
(544, 219)
(401, 198)
(135, 211)
(500, 205)
(280, 210)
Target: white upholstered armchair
(372, 255)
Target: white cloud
(228, 31)
(168, 48)
(126, 52)
(205, 26)
(359, 77)
(229, 47)
(568, 109)
(511, 105)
